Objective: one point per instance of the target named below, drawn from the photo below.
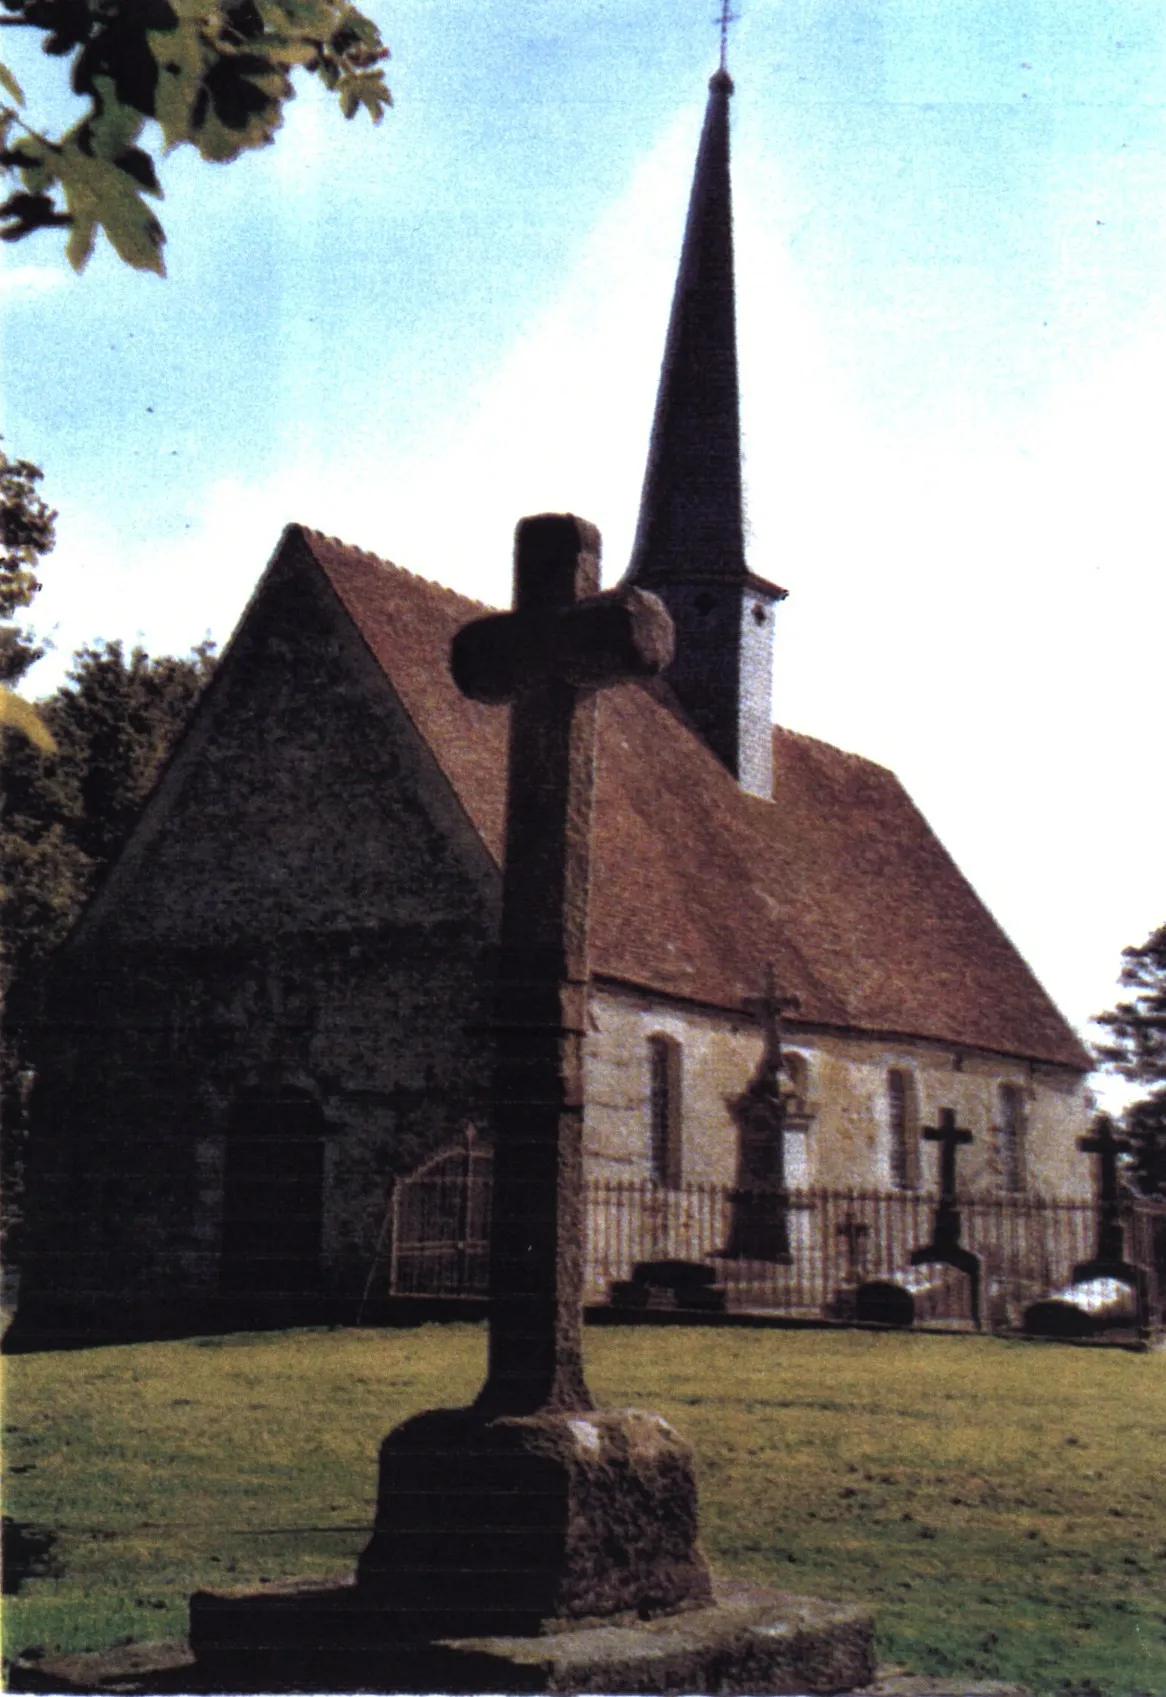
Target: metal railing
(825, 1242)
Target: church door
(273, 1208)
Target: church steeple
(690, 541)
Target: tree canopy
(212, 74)
(26, 536)
(113, 721)
(1136, 1050)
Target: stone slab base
(150, 1670)
(750, 1640)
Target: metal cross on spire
(727, 17)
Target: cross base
(511, 1524)
(746, 1639)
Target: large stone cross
(562, 642)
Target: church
(279, 1001)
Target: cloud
(28, 282)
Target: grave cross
(949, 1136)
(945, 1242)
(769, 1009)
(852, 1232)
(1102, 1143)
(562, 642)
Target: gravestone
(759, 1228)
(503, 1528)
(843, 1303)
(673, 1284)
(945, 1246)
(895, 1298)
(1107, 1292)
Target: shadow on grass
(28, 1552)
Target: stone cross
(1102, 1143)
(547, 658)
(945, 1242)
(949, 1136)
(769, 1008)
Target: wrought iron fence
(826, 1242)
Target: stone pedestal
(514, 1525)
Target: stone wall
(848, 1140)
(304, 909)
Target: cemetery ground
(1001, 1505)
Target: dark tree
(26, 536)
(215, 76)
(65, 816)
(1136, 1050)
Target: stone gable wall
(304, 906)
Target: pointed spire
(690, 543)
(691, 512)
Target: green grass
(1002, 1506)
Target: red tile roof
(838, 881)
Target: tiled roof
(838, 881)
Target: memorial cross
(945, 1230)
(1102, 1143)
(562, 642)
(949, 1136)
(769, 1008)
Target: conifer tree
(1136, 1050)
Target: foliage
(113, 721)
(211, 74)
(1136, 1051)
(1001, 1506)
(26, 536)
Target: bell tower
(690, 542)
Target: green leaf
(181, 67)
(98, 193)
(114, 128)
(10, 85)
(364, 88)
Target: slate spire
(690, 510)
(690, 540)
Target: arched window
(1010, 1136)
(903, 1132)
(664, 1107)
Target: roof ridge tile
(375, 559)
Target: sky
(950, 227)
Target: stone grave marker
(1107, 1292)
(894, 1299)
(759, 1229)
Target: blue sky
(951, 246)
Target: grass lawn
(1002, 1506)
